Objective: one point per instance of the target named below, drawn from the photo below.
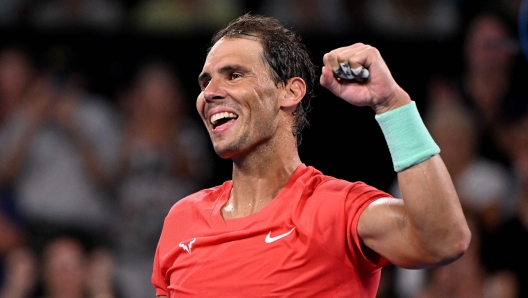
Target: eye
(235, 75)
(204, 84)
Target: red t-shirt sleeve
(359, 197)
(158, 280)
(331, 216)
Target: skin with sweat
(236, 80)
(253, 126)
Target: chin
(225, 153)
(232, 151)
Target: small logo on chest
(270, 239)
(187, 247)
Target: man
(281, 228)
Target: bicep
(384, 227)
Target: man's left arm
(427, 226)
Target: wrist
(407, 137)
(397, 99)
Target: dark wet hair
(284, 53)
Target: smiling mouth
(222, 118)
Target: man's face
(238, 102)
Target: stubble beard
(245, 143)
(229, 150)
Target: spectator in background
(493, 89)
(512, 236)
(315, 16)
(58, 148)
(68, 268)
(16, 75)
(21, 274)
(183, 16)
(489, 82)
(67, 14)
(413, 19)
(164, 157)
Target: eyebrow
(225, 69)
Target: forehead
(235, 50)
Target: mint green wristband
(407, 137)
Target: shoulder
(191, 213)
(324, 184)
(322, 194)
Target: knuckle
(328, 57)
(343, 57)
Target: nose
(214, 91)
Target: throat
(255, 185)
(241, 208)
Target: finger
(355, 56)
(361, 72)
(346, 72)
(343, 63)
(327, 79)
(359, 62)
(330, 61)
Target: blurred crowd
(86, 183)
(479, 118)
(434, 19)
(87, 179)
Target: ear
(294, 92)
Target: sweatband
(407, 137)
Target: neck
(259, 176)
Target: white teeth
(214, 119)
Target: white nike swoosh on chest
(270, 239)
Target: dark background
(343, 141)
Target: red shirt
(304, 243)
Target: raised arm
(427, 226)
